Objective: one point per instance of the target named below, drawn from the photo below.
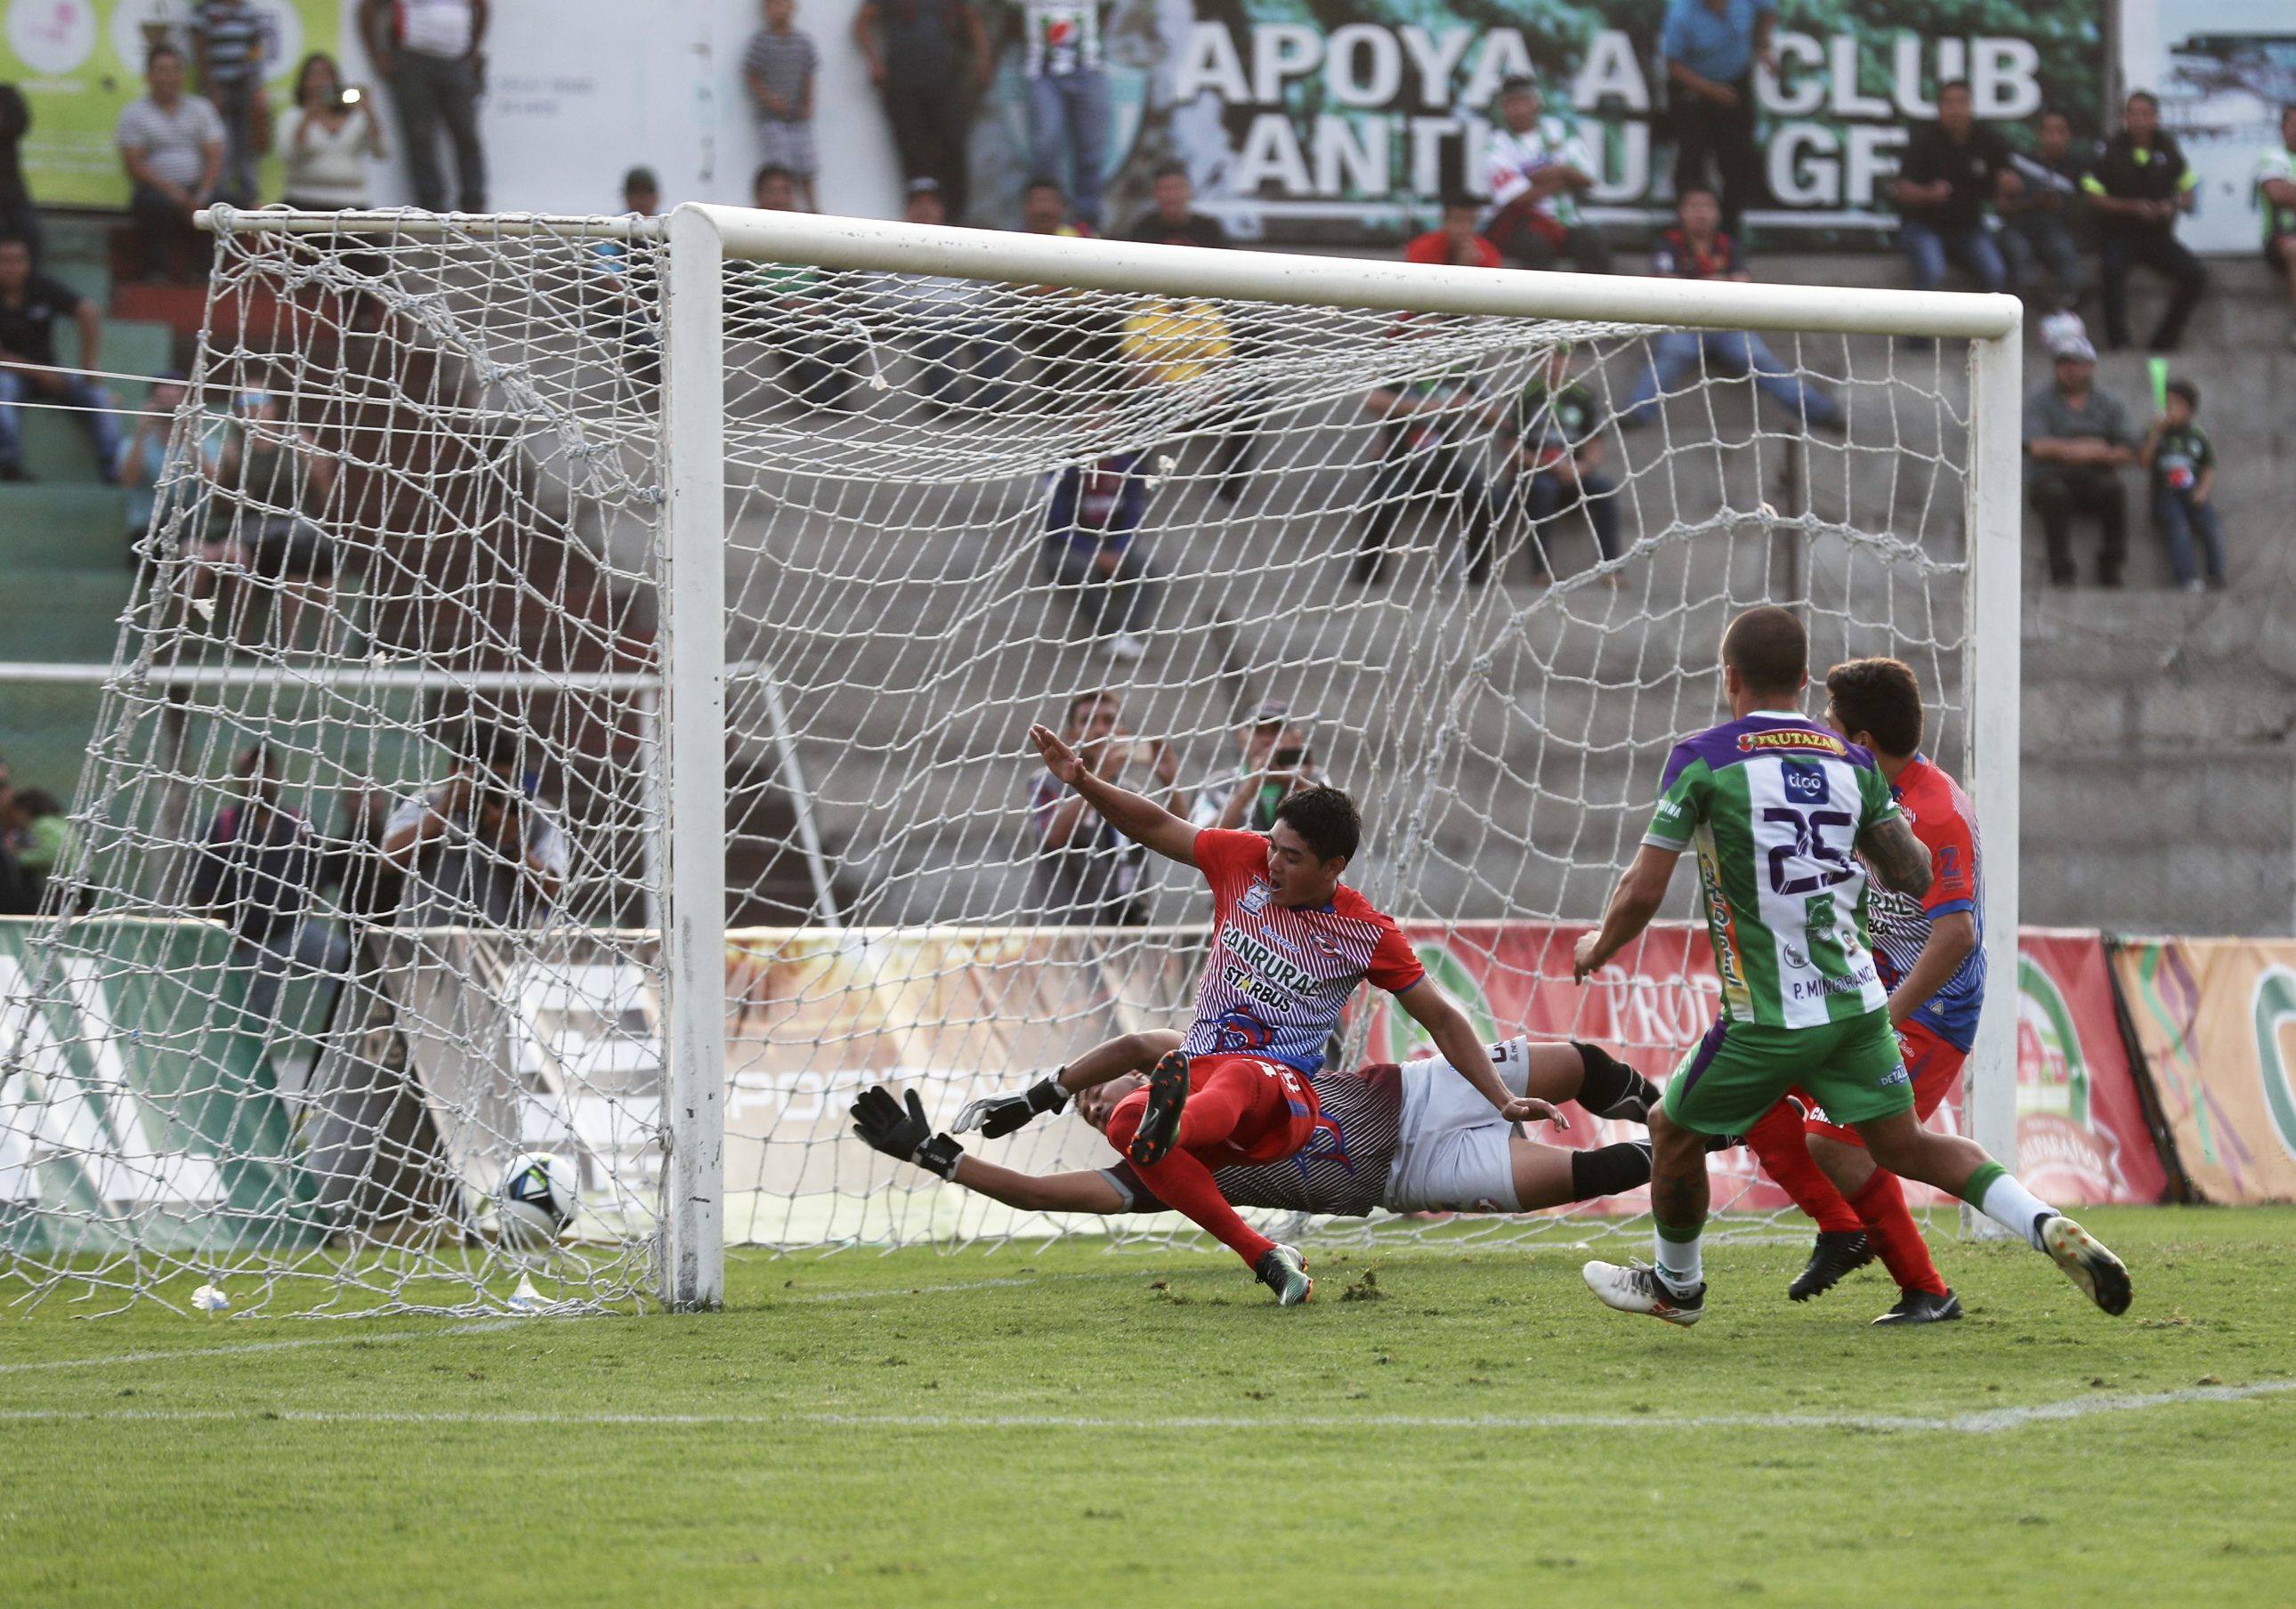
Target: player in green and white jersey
(1781, 810)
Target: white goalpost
(595, 733)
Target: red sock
(1778, 1140)
(1894, 1238)
(1183, 1182)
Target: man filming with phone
(1276, 761)
(479, 849)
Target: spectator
(2139, 183)
(1952, 167)
(1424, 467)
(480, 847)
(960, 360)
(276, 484)
(1173, 220)
(1697, 247)
(145, 460)
(428, 50)
(1091, 526)
(2037, 214)
(802, 333)
(916, 50)
(2183, 464)
(2276, 198)
(20, 890)
(171, 144)
(1045, 210)
(779, 68)
(46, 839)
(630, 302)
(1710, 47)
(1067, 97)
(1455, 241)
(367, 886)
(331, 135)
(18, 215)
(1558, 437)
(1274, 760)
(1535, 167)
(1089, 875)
(30, 305)
(2077, 438)
(254, 872)
(232, 44)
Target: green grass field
(1066, 1427)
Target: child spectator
(232, 43)
(2183, 464)
(1091, 523)
(2036, 219)
(1456, 242)
(2139, 185)
(779, 67)
(1535, 167)
(1558, 432)
(2275, 198)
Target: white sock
(1679, 1260)
(2017, 1209)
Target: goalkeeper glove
(1001, 1114)
(880, 1123)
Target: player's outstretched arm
(1003, 1115)
(1896, 857)
(1135, 815)
(1641, 891)
(1456, 1042)
(902, 1132)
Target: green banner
(137, 1103)
(80, 61)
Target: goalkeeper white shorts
(1453, 1155)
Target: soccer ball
(537, 1199)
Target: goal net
(568, 738)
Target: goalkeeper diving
(1410, 1138)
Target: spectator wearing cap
(2077, 438)
(1951, 170)
(2276, 198)
(1455, 241)
(172, 146)
(2138, 186)
(1711, 48)
(1536, 168)
(1698, 248)
(1272, 760)
(2037, 216)
(917, 52)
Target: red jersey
(1946, 823)
(1277, 978)
(1435, 247)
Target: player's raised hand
(1530, 1109)
(1060, 759)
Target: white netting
(441, 564)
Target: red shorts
(1277, 1109)
(1932, 1064)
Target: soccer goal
(567, 738)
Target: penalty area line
(1990, 1421)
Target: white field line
(1988, 1422)
(259, 1346)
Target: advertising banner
(2081, 1133)
(1328, 121)
(79, 62)
(2216, 1019)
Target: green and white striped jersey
(1775, 805)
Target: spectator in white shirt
(1535, 167)
(172, 146)
(428, 52)
(328, 138)
(1275, 761)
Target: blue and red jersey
(1946, 823)
(1278, 977)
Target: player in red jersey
(1930, 955)
(1291, 944)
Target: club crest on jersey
(1804, 782)
(1324, 943)
(1792, 740)
(1256, 898)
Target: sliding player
(1291, 944)
(1775, 805)
(1930, 952)
(1413, 1138)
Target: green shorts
(1741, 1069)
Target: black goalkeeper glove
(882, 1125)
(1002, 1115)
